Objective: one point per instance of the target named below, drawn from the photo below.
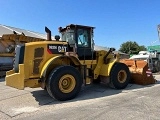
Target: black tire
(119, 76)
(157, 66)
(64, 83)
(97, 81)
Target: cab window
(82, 38)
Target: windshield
(68, 35)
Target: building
(9, 30)
(154, 48)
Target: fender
(109, 66)
(106, 68)
(51, 60)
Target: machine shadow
(87, 92)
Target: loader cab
(80, 40)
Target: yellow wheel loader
(62, 66)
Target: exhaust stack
(48, 34)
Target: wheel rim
(122, 75)
(67, 83)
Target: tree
(142, 48)
(131, 47)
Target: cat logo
(55, 49)
(62, 48)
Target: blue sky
(116, 21)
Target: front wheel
(119, 76)
(64, 83)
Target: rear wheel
(64, 83)
(119, 76)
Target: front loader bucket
(140, 72)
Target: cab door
(84, 49)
